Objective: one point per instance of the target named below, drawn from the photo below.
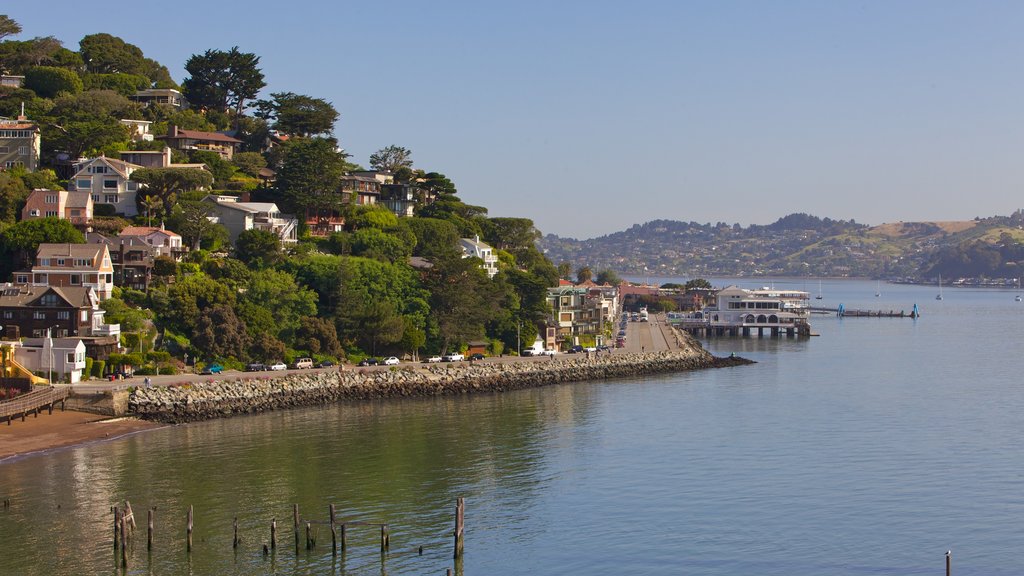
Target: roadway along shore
(249, 394)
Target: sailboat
(878, 288)
(1018, 298)
(939, 295)
(818, 297)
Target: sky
(589, 117)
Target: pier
(33, 402)
(844, 312)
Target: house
(185, 140)
(474, 248)
(381, 176)
(86, 265)
(238, 217)
(60, 359)
(20, 143)
(73, 206)
(165, 96)
(579, 310)
(134, 252)
(29, 311)
(360, 190)
(139, 129)
(12, 81)
(108, 182)
(400, 198)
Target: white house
(59, 359)
(474, 248)
(107, 179)
(238, 217)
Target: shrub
(87, 373)
(98, 367)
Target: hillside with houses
(153, 225)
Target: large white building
(474, 248)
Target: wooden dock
(33, 402)
(844, 312)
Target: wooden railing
(32, 401)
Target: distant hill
(803, 245)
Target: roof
(19, 124)
(178, 133)
(78, 199)
(146, 231)
(70, 250)
(120, 166)
(64, 343)
(24, 295)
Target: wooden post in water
(460, 510)
(234, 541)
(383, 538)
(188, 530)
(309, 539)
(295, 518)
(273, 533)
(124, 544)
(344, 538)
(334, 533)
(117, 526)
(149, 531)
(131, 515)
(949, 557)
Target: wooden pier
(704, 329)
(33, 402)
(844, 312)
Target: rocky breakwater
(205, 400)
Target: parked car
(303, 363)
(391, 361)
(549, 352)
(434, 359)
(324, 364)
(212, 369)
(590, 349)
(476, 356)
(575, 349)
(277, 366)
(453, 358)
(368, 362)
(255, 367)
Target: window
(63, 315)
(39, 315)
(76, 279)
(8, 315)
(33, 212)
(50, 199)
(48, 300)
(85, 316)
(132, 186)
(23, 150)
(44, 262)
(60, 261)
(51, 213)
(14, 164)
(109, 184)
(5, 150)
(110, 198)
(84, 183)
(96, 198)
(21, 279)
(71, 357)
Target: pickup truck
(453, 357)
(212, 369)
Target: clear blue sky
(591, 116)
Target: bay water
(871, 448)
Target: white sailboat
(1018, 298)
(939, 295)
(818, 297)
(878, 288)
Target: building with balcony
(162, 96)
(108, 181)
(29, 311)
(474, 248)
(238, 217)
(185, 140)
(71, 265)
(59, 359)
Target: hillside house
(85, 265)
(185, 140)
(29, 311)
(474, 248)
(73, 206)
(20, 143)
(108, 181)
(238, 217)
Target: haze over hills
(804, 245)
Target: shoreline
(157, 407)
(63, 430)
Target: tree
(219, 333)
(258, 248)
(266, 348)
(461, 300)
(297, 114)
(189, 299)
(18, 56)
(391, 158)
(434, 238)
(221, 169)
(223, 80)
(87, 122)
(107, 54)
(48, 81)
(164, 266)
(249, 163)
(309, 175)
(18, 243)
(377, 244)
(583, 274)
(13, 194)
(168, 183)
(608, 276)
(287, 302)
(8, 27)
(697, 283)
(193, 222)
(319, 336)
(512, 234)
(565, 270)
(123, 84)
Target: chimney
(22, 115)
(167, 157)
(244, 196)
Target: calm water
(871, 449)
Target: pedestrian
(148, 382)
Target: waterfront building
(28, 311)
(60, 359)
(737, 311)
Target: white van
(304, 363)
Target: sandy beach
(62, 429)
